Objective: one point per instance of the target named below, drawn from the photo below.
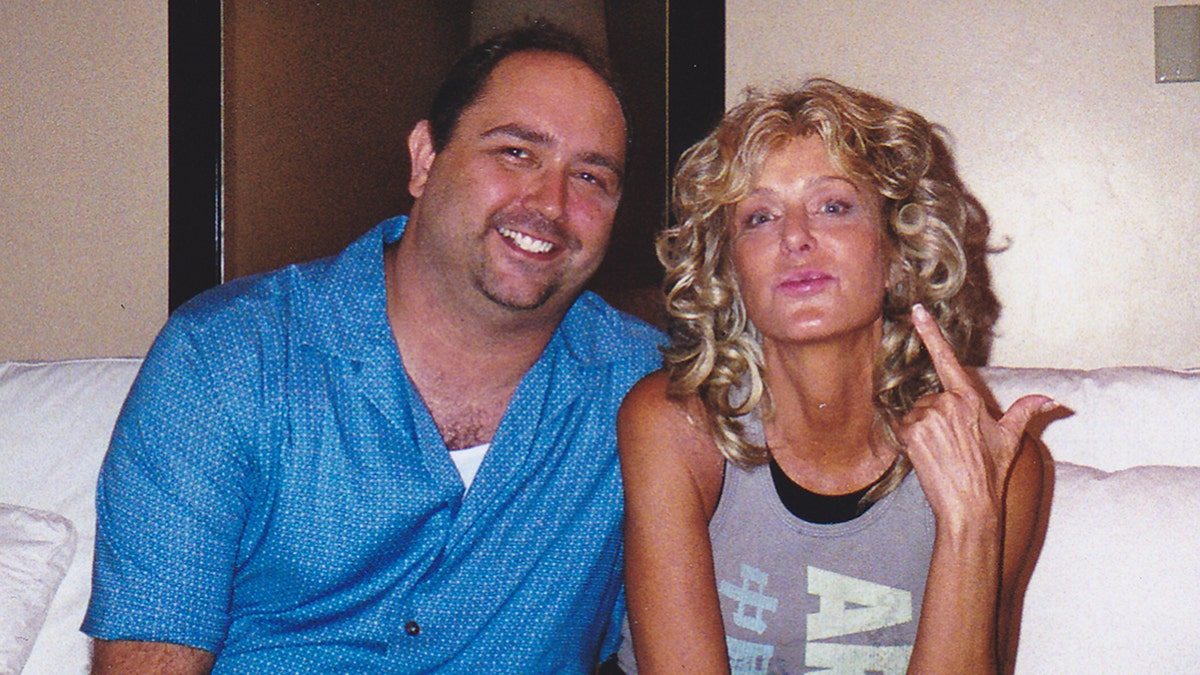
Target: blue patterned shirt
(276, 491)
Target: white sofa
(1117, 588)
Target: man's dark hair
(466, 78)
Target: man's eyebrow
(519, 132)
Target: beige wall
(1089, 169)
(83, 177)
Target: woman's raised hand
(961, 454)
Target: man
(289, 487)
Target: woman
(807, 487)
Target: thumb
(1017, 417)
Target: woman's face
(808, 248)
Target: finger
(1017, 417)
(940, 352)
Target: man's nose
(548, 194)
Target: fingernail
(919, 310)
(1048, 406)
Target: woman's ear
(421, 154)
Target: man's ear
(420, 149)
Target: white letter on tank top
(750, 595)
(874, 605)
(856, 659)
(748, 658)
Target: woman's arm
(1026, 508)
(672, 473)
(970, 616)
(984, 483)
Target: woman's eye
(835, 207)
(756, 218)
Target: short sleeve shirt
(276, 491)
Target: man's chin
(531, 292)
(522, 300)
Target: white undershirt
(467, 461)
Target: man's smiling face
(521, 200)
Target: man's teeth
(526, 242)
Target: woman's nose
(796, 236)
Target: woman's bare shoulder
(668, 436)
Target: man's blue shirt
(277, 492)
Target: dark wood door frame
(194, 140)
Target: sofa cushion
(55, 422)
(1116, 587)
(1117, 417)
(36, 548)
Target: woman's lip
(806, 283)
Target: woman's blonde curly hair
(936, 230)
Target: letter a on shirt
(847, 606)
(850, 605)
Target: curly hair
(937, 230)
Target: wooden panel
(320, 97)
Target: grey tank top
(797, 597)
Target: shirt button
(412, 628)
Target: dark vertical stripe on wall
(696, 71)
(194, 72)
